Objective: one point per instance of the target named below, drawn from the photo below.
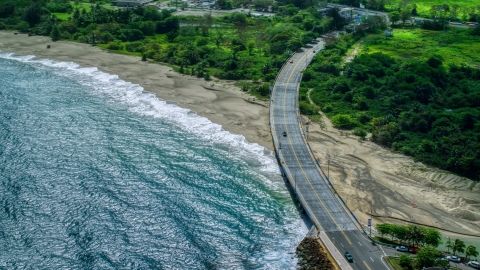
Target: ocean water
(96, 173)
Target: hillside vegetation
(235, 46)
(417, 107)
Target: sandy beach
(369, 177)
(221, 102)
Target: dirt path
(348, 58)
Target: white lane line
(383, 261)
(360, 244)
(341, 244)
(383, 251)
(371, 259)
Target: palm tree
(458, 245)
(471, 251)
(449, 245)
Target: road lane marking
(360, 244)
(341, 244)
(371, 259)
(295, 153)
(366, 265)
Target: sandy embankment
(363, 173)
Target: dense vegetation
(235, 46)
(410, 235)
(419, 108)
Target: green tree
(171, 35)
(394, 17)
(405, 260)
(471, 251)
(250, 46)
(344, 121)
(33, 14)
(383, 229)
(458, 246)
(55, 33)
(426, 257)
(449, 245)
(144, 57)
(432, 237)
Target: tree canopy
(420, 108)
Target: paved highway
(317, 198)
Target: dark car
(413, 250)
(348, 256)
(284, 134)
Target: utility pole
(328, 167)
(371, 219)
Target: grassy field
(61, 16)
(456, 46)
(393, 262)
(86, 6)
(423, 6)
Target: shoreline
(219, 101)
(369, 177)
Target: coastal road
(310, 185)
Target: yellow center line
(366, 265)
(296, 157)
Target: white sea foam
(145, 103)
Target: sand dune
(372, 178)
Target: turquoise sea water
(96, 173)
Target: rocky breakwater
(311, 255)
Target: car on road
(401, 248)
(291, 61)
(313, 51)
(348, 256)
(474, 264)
(284, 134)
(453, 259)
(413, 250)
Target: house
(389, 32)
(346, 12)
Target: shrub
(115, 45)
(360, 132)
(327, 108)
(307, 108)
(134, 46)
(405, 261)
(23, 27)
(344, 121)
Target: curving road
(310, 185)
